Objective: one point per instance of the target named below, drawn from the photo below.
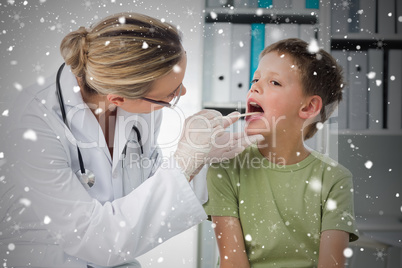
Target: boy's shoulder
(330, 166)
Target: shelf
(260, 15)
(367, 132)
(365, 41)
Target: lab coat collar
(83, 123)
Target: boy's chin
(254, 131)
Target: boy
(277, 204)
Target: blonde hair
(122, 54)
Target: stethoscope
(87, 177)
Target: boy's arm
(332, 245)
(229, 237)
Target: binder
(282, 4)
(398, 16)
(357, 91)
(342, 109)
(312, 4)
(276, 32)
(307, 32)
(240, 66)
(367, 18)
(265, 3)
(386, 23)
(339, 17)
(257, 45)
(375, 95)
(354, 16)
(218, 38)
(394, 101)
(220, 3)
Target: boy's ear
(311, 107)
(115, 99)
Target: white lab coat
(47, 217)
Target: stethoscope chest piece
(87, 179)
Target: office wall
(30, 35)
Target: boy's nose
(255, 89)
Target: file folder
(342, 109)
(240, 65)
(386, 23)
(217, 60)
(339, 17)
(394, 100)
(367, 18)
(276, 32)
(257, 45)
(265, 3)
(282, 4)
(375, 95)
(358, 90)
(306, 32)
(354, 16)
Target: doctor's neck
(99, 104)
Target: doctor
(85, 184)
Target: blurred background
(223, 39)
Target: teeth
(254, 104)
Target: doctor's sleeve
(107, 235)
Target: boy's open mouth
(253, 107)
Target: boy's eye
(254, 81)
(275, 83)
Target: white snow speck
(122, 224)
(348, 252)
(248, 237)
(315, 73)
(11, 246)
(176, 69)
(5, 113)
(213, 15)
(319, 125)
(397, 195)
(283, 55)
(160, 240)
(98, 111)
(18, 86)
(76, 89)
(241, 44)
(400, 18)
(1, 155)
(41, 80)
(219, 176)
(122, 20)
(378, 82)
(25, 202)
(392, 77)
(47, 220)
(160, 259)
(313, 46)
(226, 257)
(315, 185)
(30, 135)
(368, 164)
(331, 204)
(10, 48)
(371, 75)
(145, 45)
(390, 14)
(259, 12)
(107, 43)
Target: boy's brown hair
(319, 74)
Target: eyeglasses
(172, 103)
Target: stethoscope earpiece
(87, 179)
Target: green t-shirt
(282, 208)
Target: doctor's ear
(115, 99)
(311, 107)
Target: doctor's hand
(196, 140)
(227, 145)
